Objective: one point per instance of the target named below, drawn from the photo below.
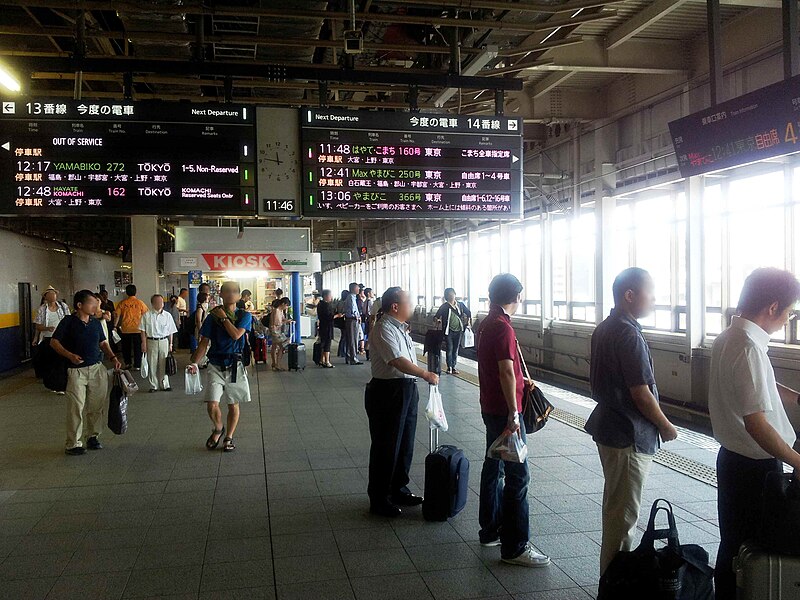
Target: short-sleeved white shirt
(743, 383)
(388, 341)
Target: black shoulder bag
(536, 408)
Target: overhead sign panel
(303, 262)
(759, 125)
(405, 165)
(63, 158)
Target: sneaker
(491, 544)
(530, 557)
(76, 451)
(94, 444)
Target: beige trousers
(87, 392)
(625, 472)
(157, 351)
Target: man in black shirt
(79, 338)
(627, 421)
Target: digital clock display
(145, 158)
(410, 165)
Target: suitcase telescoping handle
(434, 439)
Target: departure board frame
(119, 158)
(756, 126)
(401, 165)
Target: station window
(458, 268)
(533, 269)
(651, 232)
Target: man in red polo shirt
(503, 513)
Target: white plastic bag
(115, 337)
(145, 370)
(434, 412)
(509, 447)
(469, 339)
(193, 384)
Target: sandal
(228, 445)
(210, 443)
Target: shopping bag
(116, 338)
(469, 339)
(118, 407)
(145, 370)
(193, 385)
(128, 383)
(509, 447)
(676, 571)
(171, 367)
(434, 412)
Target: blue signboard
(759, 125)
(195, 278)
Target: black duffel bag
(54, 368)
(536, 408)
(780, 514)
(674, 572)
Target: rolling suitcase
(317, 353)
(446, 479)
(764, 576)
(260, 352)
(297, 354)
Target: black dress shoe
(76, 451)
(407, 500)
(94, 444)
(385, 510)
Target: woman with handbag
(454, 318)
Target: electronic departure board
(410, 165)
(136, 158)
(762, 124)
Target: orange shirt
(130, 313)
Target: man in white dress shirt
(747, 411)
(157, 327)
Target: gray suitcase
(764, 576)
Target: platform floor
(285, 516)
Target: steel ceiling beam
(306, 15)
(286, 72)
(641, 21)
(524, 6)
(159, 36)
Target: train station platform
(155, 514)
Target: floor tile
(475, 582)
(234, 575)
(394, 587)
(337, 589)
(368, 563)
(290, 570)
(85, 562)
(36, 565)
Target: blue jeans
(453, 340)
(504, 496)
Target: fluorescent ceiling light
(488, 54)
(549, 35)
(7, 80)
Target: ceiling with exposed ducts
(561, 54)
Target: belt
(233, 367)
(156, 339)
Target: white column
(473, 282)
(695, 265)
(144, 246)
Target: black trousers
(392, 411)
(132, 349)
(740, 484)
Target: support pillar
(297, 304)
(144, 246)
(695, 265)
